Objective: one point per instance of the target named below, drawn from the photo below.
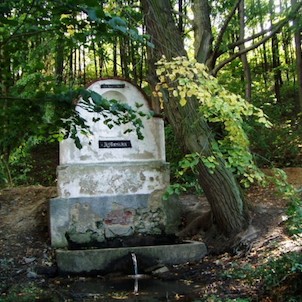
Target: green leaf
(96, 98)
(12, 22)
(77, 142)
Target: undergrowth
(282, 276)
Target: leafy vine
(183, 79)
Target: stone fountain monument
(111, 190)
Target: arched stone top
(127, 82)
(114, 145)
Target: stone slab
(86, 211)
(81, 180)
(96, 260)
(87, 220)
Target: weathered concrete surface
(152, 147)
(77, 180)
(91, 220)
(87, 261)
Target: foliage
(23, 293)
(182, 167)
(276, 271)
(273, 273)
(223, 110)
(58, 118)
(185, 176)
(284, 270)
(294, 211)
(281, 144)
(33, 163)
(38, 88)
(279, 147)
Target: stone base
(88, 221)
(97, 260)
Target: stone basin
(97, 260)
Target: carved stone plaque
(115, 144)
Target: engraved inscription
(115, 144)
(112, 85)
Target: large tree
(190, 127)
(219, 185)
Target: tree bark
(217, 47)
(264, 53)
(59, 64)
(5, 83)
(115, 58)
(220, 186)
(245, 63)
(276, 58)
(298, 62)
(202, 30)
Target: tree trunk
(115, 58)
(276, 57)
(59, 65)
(5, 83)
(75, 64)
(84, 66)
(80, 64)
(298, 62)
(180, 17)
(133, 55)
(95, 60)
(70, 74)
(220, 186)
(264, 52)
(245, 63)
(202, 30)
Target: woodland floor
(28, 268)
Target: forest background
(51, 50)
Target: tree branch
(30, 33)
(274, 30)
(20, 25)
(222, 32)
(254, 36)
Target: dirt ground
(27, 258)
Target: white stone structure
(101, 167)
(113, 186)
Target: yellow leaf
(175, 93)
(183, 102)
(189, 93)
(161, 79)
(182, 94)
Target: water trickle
(135, 290)
(134, 259)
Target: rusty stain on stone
(123, 217)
